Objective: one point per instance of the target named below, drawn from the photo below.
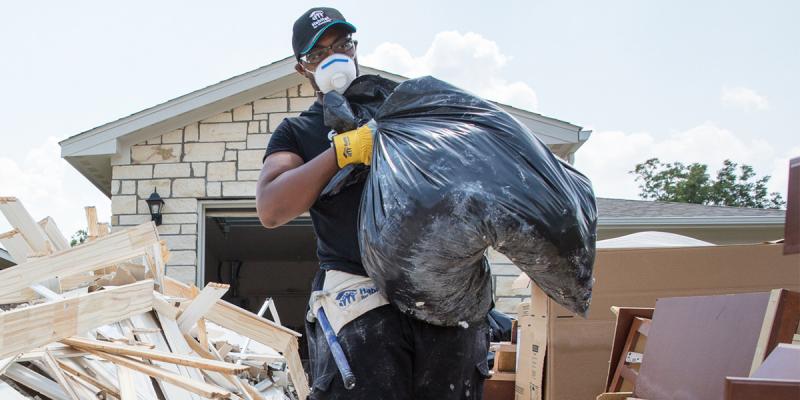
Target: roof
(643, 212)
(92, 152)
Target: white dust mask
(335, 72)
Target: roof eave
(678, 222)
(84, 141)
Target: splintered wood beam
(16, 245)
(201, 304)
(103, 229)
(91, 223)
(127, 390)
(123, 350)
(6, 362)
(80, 375)
(111, 249)
(265, 332)
(56, 237)
(59, 375)
(198, 387)
(20, 219)
(252, 326)
(37, 382)
(296, 372)
(28, 328)
(244, 388)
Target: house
(202, 153)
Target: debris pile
(101, 320)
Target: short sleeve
(283, 139)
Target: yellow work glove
(354, 147)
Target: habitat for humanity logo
(318, 18)
(349, 296)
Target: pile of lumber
(102, 320)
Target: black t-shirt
(335, 219)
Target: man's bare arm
(287, 187)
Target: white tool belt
(345, 297)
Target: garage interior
(260, 263)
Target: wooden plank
(16, 245)
(80, 375)
(91, 223)
(114, 248)
(103, 229)
(209, 353)
(6, 362)
(20, 219)
(127, 391)
(257, 328)
(119, 349)
(147, 321)
(56, 237)
(85, 390)
(295, 365)
(177, 343)
(37, 382)
(202, 332)
(198, 387)
(27, 328)
(201, 304)
(9, 393)
(247, 391)
(59, 375)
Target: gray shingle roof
(622, 208)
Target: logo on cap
(318, 18)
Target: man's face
(332, 41)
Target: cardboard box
(531, 346)
(577, 350)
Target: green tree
(78, 238)
(734, 185)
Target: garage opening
(261, 263)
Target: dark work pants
(396, 357)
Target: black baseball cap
(312, 24)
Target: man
(392, 355)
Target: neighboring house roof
(622, 212)
(92, 152)
(5, 259)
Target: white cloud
(744, 98)
(48, 186)
(608, 156)
(466, 60)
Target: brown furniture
(696, 342)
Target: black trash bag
(346, 112)
(453, 174)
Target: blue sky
(682, 80)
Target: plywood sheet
(695, 342)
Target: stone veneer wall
(220, 157)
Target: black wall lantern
(155, 204)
